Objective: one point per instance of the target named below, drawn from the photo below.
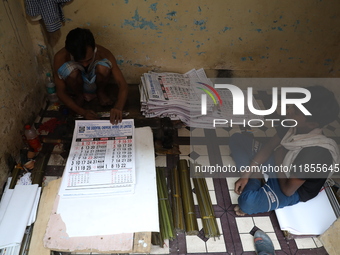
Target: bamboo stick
(177, 206)
(165, 214)
(191, 226)
(209, 222)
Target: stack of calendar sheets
(101, 160)
(179, 97)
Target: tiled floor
(236, 232)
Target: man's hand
(90, 115)
(240, 184)
(116, 116)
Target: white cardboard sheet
(313, 217)
(17, 214)
(129, 213)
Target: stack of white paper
(17, 211)
(179, 96)
(101, 160)
(313, 217)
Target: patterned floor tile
(224, 150)
(185, 149)
(221, 132)
(264, 223)
(244, 224)
(200, 149)
(274, 239)
(216, 245)
(318, 243)
(183, 132)
(231, 182)
(233, 197)
(247, 241)
(161, 161)
(197, 132)
(195, 244)
(210, 183)
(305, 243)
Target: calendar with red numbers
(101, 159)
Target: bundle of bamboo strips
(191, 226)
(177, 206)
(165, 216)
(207, 212)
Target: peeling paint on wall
(153, 7)
(139, 22)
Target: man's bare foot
(104, 100)
(238, 211)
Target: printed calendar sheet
(101, 159)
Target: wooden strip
(142, 242)
(45, 207)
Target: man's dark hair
(323, 106)
(77, 41)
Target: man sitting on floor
(82, 70)
(300, 148)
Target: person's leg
(243, 149)
(103, 74)
(74, 84)
(71, 73)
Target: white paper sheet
(128, 213)
(6, 197)
(18, 211)
(313, 217)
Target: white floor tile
(161, 161)
(227, 160)
(199, 223)
(197, 132)
(200, 149)
(218, 220)
(195, 198)
(224, 150)
(203, 160)
(247, 241)
(210, 183)
(244, 224)
(155, 249)
(270, 132)
(183, 132)
(213, 197)
(275, 241)
(305, 243)
(317, 242)
(216, 245)
(220, 132)
(231, 182)
(258, 133)
(185, 149)
(195, 244)
(264, 223)
(233, 197)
